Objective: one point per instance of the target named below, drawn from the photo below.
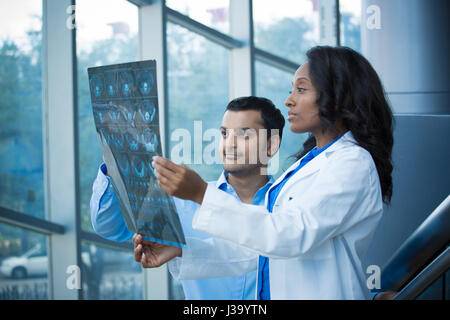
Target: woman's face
(303, 115)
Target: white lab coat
(321, 226)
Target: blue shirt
(108, 222)
(263, 266)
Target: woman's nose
(289, 101)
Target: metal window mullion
(275, 61)
(31, 223)
(59, 144)
(242, 59)
(113, 245)
(203, 30)
(338, 23)
(153, 45)
(327, 22)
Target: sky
(15, 21)
(93, 16)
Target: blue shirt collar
(223, 185)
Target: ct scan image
(125, 108)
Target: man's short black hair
(272, 117)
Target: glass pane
(286, 28)
(106, 34)
(350, 11)
(23, 264)
(198, 91)
(176, 291)
(21, 157)
(213, 13)
(275, 85)
(110, 274)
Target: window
(110, 274)
(23, 264)
(198, 94)
(286, 28)
(213, 13)
(106, 34)
(21, 156)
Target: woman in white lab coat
(321, 214)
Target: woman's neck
(324, 138)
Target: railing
(426, 277)
(422, 258)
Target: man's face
(240, 145)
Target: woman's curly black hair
(349, 89)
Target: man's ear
(273, 144)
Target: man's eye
(224, 133)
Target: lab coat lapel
(311, 167)
(314, 165)
(280, 178)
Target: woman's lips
(291, 116)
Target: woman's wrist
(201, 193)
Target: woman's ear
(273, 144)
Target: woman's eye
(301, 90)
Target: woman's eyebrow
(302, 78)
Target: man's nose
(231, 139)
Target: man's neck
(247, 184)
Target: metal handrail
(419, 250)
(426, 277)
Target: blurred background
(208, 52)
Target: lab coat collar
(317, 163)
(346, 140)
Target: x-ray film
(125, 106)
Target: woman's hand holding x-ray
(179, 180)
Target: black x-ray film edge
(117, 90)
